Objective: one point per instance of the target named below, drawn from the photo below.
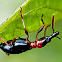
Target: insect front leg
(24, 25)
(53, 25)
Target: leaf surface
(32, 11)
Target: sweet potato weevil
(20, 45)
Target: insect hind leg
(24, 25)
(4, 42)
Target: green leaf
(32, 11)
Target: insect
(20, 45)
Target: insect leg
(24, 25)
(13, 41)
(45, 27)
(40, 28)
(53, 25)
(8, 54)
(4, 41)
(45, 31)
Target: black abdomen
(18, 47)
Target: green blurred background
(52, 52)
